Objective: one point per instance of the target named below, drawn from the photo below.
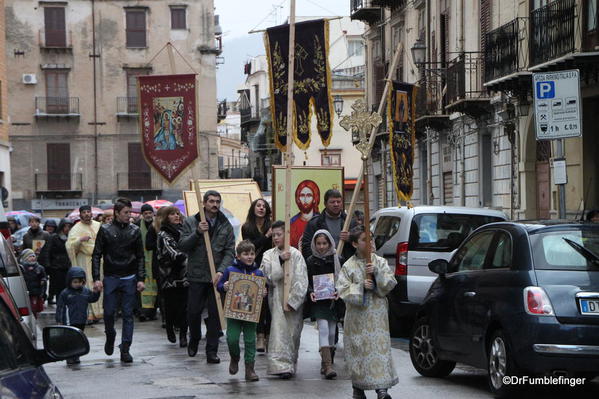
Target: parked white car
(410, 238)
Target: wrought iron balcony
(504, 53)
(465, 90)
(553, 31)
(365, 10)
(249, 114)
(389, 3)
(58, 182)
(126, 106)
(57, 107)
(431, 99)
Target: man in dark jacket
(58, 259)
(38, 237)
(201, 291)
(119, 245)
(331, 220)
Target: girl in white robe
(366, 339)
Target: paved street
(162, 370)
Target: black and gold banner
(312, 81)
(401, 109)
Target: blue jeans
(114, 288)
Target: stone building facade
(5, 172)
(72, 68)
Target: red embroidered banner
(168, 122)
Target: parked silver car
(410, 238)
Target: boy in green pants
(244, 263)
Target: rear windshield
(8, 265)
(552, 252)
(444, 231)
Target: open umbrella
(181, 205)
(74, 215)
(159, 203)
(136, 206)
(22, 217)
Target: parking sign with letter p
(545, 89)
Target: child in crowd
(71, 307)
(35, 278)
(324, 260)
(287, 317)
(244, 263)
(367, 343)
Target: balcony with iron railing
(58, 182)
(126, 107)
(553, 30)
(505, 53)
(431, 99)
(365, 10)
(57, 107)
(465, 90)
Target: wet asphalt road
(162, 370)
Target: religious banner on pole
(401, 109)
(167, 109)
(312, 88)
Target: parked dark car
(515, 299)
(21, 373)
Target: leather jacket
(119, 244)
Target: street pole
(561, 188)
(289, 152)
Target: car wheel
(500, 365)
(423, 354)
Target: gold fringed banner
(312, 88)
(401, 108)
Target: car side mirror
(63, 342)
(439, 266)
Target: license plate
(589, 306)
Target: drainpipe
(463, 141)
(94, 56)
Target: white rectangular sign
(559, 172)
(558, 109)
(66, 203)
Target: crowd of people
(98, 269)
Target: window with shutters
(178, 18)
(140, 177)
(355, 47)
(132, 75)
(59, 166)
(136, 28)
(55, 27)
(330, 158)
(57, 91)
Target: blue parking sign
(545, 90)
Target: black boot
(183, 338)
(170, 333)
(125, 355)
(382, 394)
(358, 394)
(192, 347)
(109, 345)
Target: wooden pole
(289, 152)
(171, 58)
(354, 198)
(219, 304)
(367, 217)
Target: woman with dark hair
(172, 265)
(59, 262)
(257, 229)
(593, 216)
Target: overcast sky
(238, 17)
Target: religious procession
(291, 198)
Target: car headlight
(53, 393)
